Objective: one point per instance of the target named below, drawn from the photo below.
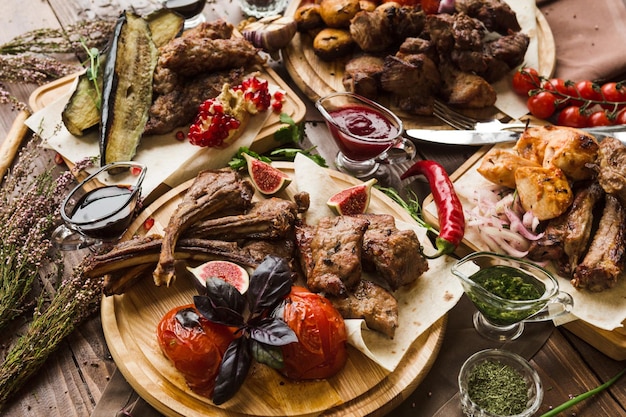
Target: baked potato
(332, 43)
(338, 13)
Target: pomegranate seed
(135, 170)
(180, 135)
(148, 223)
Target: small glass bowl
(533, 383)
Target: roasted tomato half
(321, 348)
(194, 345)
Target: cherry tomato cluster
(576, 104)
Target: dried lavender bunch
(95, 34)
(29, 207)
(76, 299)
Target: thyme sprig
(412, 206)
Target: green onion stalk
(583, 396)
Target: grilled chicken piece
(604, 262)
(543, 191)
(272, 218)
(611, 168)
(394, 253)
(211, 192)
(372, 303)
(499, 166)
(572, 150)
(330, 253)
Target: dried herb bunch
(32, 56)
(29, 205)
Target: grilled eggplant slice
(127, 88)
(82, 111)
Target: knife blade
(480, 138)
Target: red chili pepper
(449, 208)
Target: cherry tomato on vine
(562, 89)
(614, 92)
(589, 90)
(621, 118)
(571, 116)
(599, 118)
(524, 80)
(542, 105)
(320, 351)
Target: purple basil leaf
(273, 332)
(269, 284)
(224, 294)
(188, 318)
(233, 370)
(219, 314)
(271, 356)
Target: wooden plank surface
(73, 379)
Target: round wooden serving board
(317, 78)
(362, 388)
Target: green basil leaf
(233, 370)
(271, 356)
(269, 284)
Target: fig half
(267, 179)
(230, 272)
(353, 200)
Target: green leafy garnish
(292, 133)
(583, 396)
(239, 162)
(289, 154)
(412, 206)
(93, 69)
(260, 331)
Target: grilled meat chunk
(611, 168)
(217, 29)
(465, 89)
(496, 15)
(362, 75)
(190, 56)
(604, 262)
(549, 247)
(372, 303)
(330, 253)
(211, 192)
(179, 98)
(580, 223)
(506, 53)
(371, 31)
(272, 218)
(394, 253)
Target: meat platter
(610, 342)
(317, 77)
(361, 388)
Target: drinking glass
(502, 319)
(262, 8)
(367, 133)
(101, 207)
(191, 10)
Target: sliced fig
(267, 179)
(353, 200)
(230, 272)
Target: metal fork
(460, 121)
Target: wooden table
(72, 380)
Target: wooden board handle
(12, 142)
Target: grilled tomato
(194, 345)
(321, 349)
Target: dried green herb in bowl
(496, 383)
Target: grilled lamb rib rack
(211, 192)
